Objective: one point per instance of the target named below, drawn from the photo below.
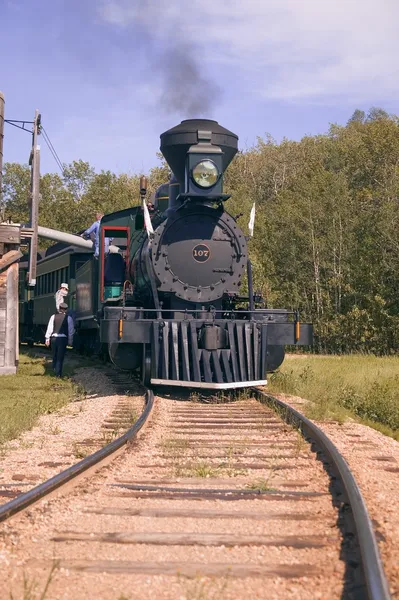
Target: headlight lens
(205, 174)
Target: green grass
(261, 485)
(32, 392)
(175, 450)
(174, 447)
(364, 387)
(202, 469)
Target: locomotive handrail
(279, 311)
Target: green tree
(16, 186)
(327, 217)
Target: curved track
(177, 507)
(95, 460)
(377, 585)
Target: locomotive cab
(113, 258)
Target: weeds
(109, 436)
(220, 397)
(243, 394)
(30, 587)
(54, 429)
(260, 485)
(174, 447)
(80, 393)
(232, 452)
(193, 466)
(263, 484)
(231, 455)
(359, 386)
(300, 444)
(131, 415)
(202, 469)
(79, 452)
(26, 445)
(203, 589)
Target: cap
(65, 285)
(113, 249)
(63, 305)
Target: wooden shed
(10, 255)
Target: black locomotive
(164, 295)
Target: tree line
(327, 220)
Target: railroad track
(217, 500)
(119, 419)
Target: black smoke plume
(185, 89)
(174, 60)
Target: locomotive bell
(199, 151)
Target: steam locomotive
(167, 303)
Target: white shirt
(50, 329)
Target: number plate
(201, 253)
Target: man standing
(60, 295)
(60, 331)
(95, 228)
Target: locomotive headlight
(205, 174)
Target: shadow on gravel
(72, 360)
(354, 580)
(184, 394)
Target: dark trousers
(58, 346)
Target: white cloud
(287, 49)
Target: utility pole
(2, 102)
(9, 257)
(34, 162)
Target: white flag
(251, 223)
(147, 219)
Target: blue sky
(110, 76)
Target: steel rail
(376, 581)
(37, 493)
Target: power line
(52, 150)
(56, 158)
(41, 130)
(51, 147)
(53, 153)
(21, 125)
